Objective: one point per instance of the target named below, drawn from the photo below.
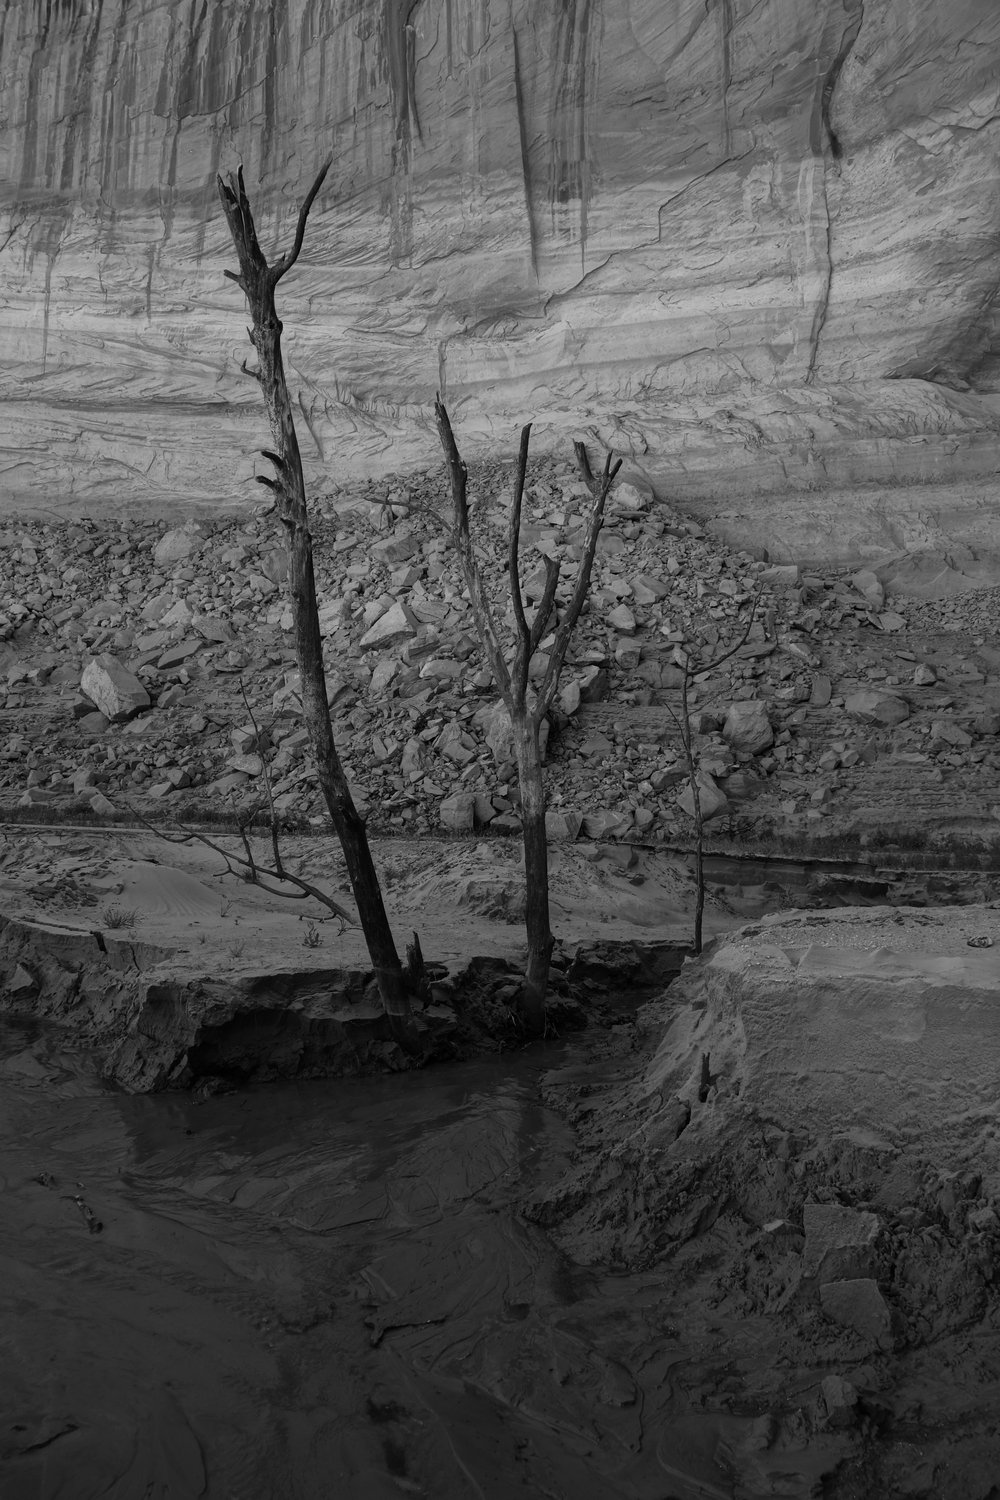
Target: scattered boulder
(875, 706)
(183, 542)
(115, 691)
(458, 812)
(396, 625)
(870, 587)
(711, 798)
(747, 727)
(562, 826)
(822, 690)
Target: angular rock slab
(113, 689)
(748, 727)
(876, 707)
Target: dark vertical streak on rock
(35, 68)
(78, 129)
(570, 165)
(522, 132)
(726, 22)
(822, 134)
(271, 70)
(825, 122)
(398, 62)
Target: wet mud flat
(315, 1290)
(477, 1280)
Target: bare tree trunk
(699, 821)
(536, 870)
(691, 669)
(258, 281)
(526, 717)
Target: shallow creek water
(311, 1290)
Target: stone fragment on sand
(397, 624)
(891, 621)
(876, 707)
(622, 619)
(627, 497)
(943, 731)
(782, 575)
(604, 823)
(597, 746)
(22, 983)
(33, 796)
(747, 727)
(594, 685)
(569, 699)
(648, 590)
(384, 672)
(92, 723)
(711, 798)
(869, 586)
(562, 826)
(839, 1241)
(484, 809)
(113, 689)
(250, 765)
(396, 548)
(840, 1400)
(458, 812)
(174, 546)
(175, 655)
(180, 614)
(858, 1304)
(924, 676)
(822, 690)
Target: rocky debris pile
(128, 646)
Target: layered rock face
(750, 244)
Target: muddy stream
(316, 1290)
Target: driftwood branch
(303, 889)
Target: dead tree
(258, 281)
(526, 706)
(692, 667)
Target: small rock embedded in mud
(839, 1399)
(838, 1241)
(858, 1304)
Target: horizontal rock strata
(753, 243)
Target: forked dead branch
(527, 705)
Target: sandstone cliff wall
(745, 238)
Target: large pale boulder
(748, 727)
(113, 689)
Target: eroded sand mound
(815, 1142)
